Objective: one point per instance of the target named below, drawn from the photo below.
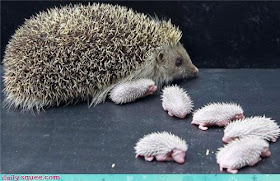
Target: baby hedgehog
(217, 114)
(176, 101)
(242, 152)
(163, 146)
(136, 89)
(263, 127)
(82, 52)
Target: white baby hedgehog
(242, 152)
(163, 146)
(132, 90)
(217, 114)
(176, 101)
(263, 127)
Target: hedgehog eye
(161, 56)
(178, 62)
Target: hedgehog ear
(160, 57)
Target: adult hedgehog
(85, 51)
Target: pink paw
(202, 127)
(232, 170)
(149, 158)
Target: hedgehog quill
(82, 52)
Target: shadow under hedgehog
(87, 51)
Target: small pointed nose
(182, 115)
(196, 71)
(225, 140)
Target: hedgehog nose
(196, 71)
(182, 116)
(225, 140)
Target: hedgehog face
(176, 62)
(230, 136)
(178, 156)
(227, 139)
(265, 152)
(180, 111)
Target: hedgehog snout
(266, 153)
(227, 139)
(181, 114)
(196, 71)
(178, 156)
(193, 71)
(195, 122)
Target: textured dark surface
(217, 34)
(77, 139)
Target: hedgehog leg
(162, 158)
(149, 158)
(221, 168)
(203, 127)
(232, 170)
(273, 140)
(254, 162)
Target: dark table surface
(78, 139)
